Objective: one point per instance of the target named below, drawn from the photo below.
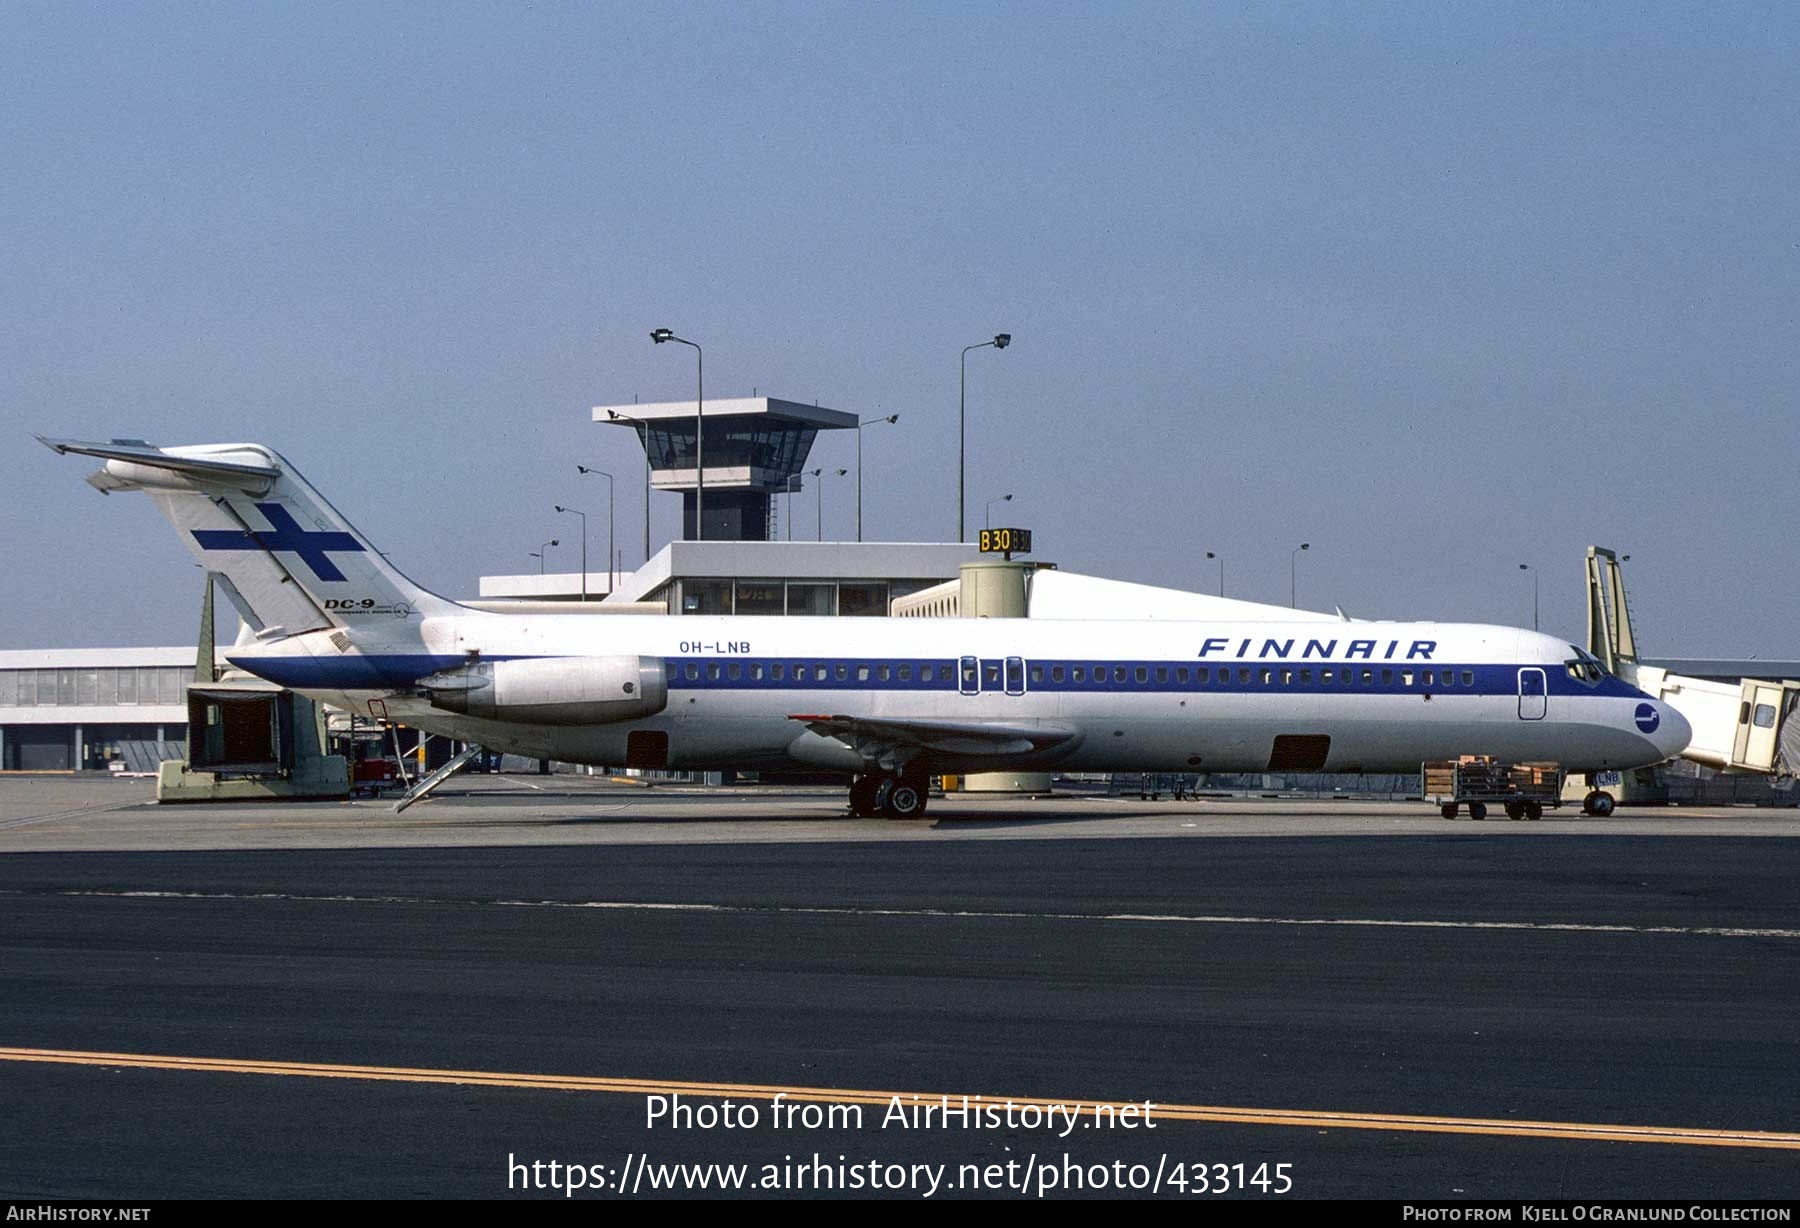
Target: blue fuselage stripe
(1011, 675)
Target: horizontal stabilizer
(136, 452)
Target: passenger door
(1534, 698)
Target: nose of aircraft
(1670, 731)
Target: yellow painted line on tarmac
(911, 1101)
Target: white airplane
(888, 700)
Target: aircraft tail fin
(284, 557)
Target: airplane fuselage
(1167, 696)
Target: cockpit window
(1584, 668)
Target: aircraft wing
(892, 743)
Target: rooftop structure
(755, 447)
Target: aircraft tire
(1599, 803)
(864, 803)
(904, 797)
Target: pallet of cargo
(1524, 790)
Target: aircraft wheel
(1448, 810)
(1478, 811)
(1599, 804)
(1515, 811)
(863, 801)
(1534, 811)
(905, 797)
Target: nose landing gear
(1599, 803)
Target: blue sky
(1437, 288)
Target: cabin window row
(1101, 674)
(802, 672)
(1098, 674)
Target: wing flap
(886, 739)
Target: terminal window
(812, 599)
(862, 599)
(760, 597)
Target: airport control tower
(755, 447)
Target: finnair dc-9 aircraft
(890, 701)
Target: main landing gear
(894, 797)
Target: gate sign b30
(1006, 541)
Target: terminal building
(844, 579)
(86, 709)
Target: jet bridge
(1740, 724)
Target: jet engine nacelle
(553, 690)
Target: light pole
(819, 528)
(1294, 576)
(1000, 342)
(987, 512)
(1534, 593)
(860, 428)
(1221, 558)
(601, 473)
(574, 512)
(659, 336)
(616, 416)
(540, 552)
(788, 487)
